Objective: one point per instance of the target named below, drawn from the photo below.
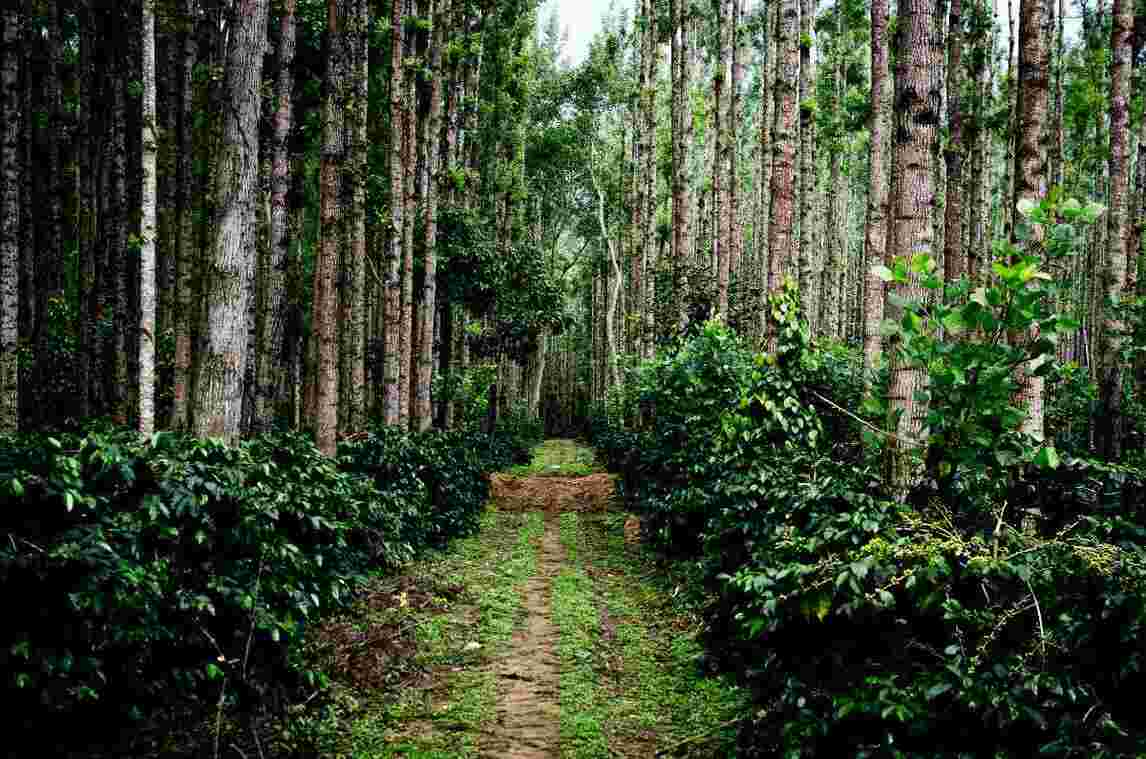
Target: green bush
(139, 571)
(999, 613)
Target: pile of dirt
(587, 493)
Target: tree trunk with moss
(220, 371)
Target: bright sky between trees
(582, 19)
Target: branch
(869, 425)
(694, 738)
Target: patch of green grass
(575, 615)
(442, 711)
(660, 696)
(558, 458)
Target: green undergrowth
(635, 681)
(558, 458)
(447, 696)
(584, 713)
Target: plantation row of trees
(758, 141)
(309, 213)
(223, 216)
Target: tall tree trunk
(332, 221)
(186, 246)
(352, 276)
(1030, 166)
(409, 217)
(836, 228)
(149, 142)
(11, 165)
(118, 378)
(649, 253)
(767, 81)
(1057, 157)
(954, 257)
(1109, 422)
(393, 318)
(916, 117)
(807, 242)
(722, 228)
(422, 412)
(781, 244)
(219, 374)
(682, 142)
(612, 291)
(272, 370)
(735, 110)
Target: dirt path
(528, 712)
(528, 709)
(552, 633)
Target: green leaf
(1026, 206)
(1047, 458)
(883, 273)
(922, 263)
(979, 295)
(953, 322)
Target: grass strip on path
(446, 696)
(558, 458)
(575, 613)
(653, 695)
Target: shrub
(999, 611)
(137, 571)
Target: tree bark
(682, 142)
(809, 292)
(332, 222)
(393, 316)
(1030, 167)
(11, 171)
(954, 257)
(916, 117)
(187, 244)
(781, 244)
(149, 142)
(422, 411)
(219, 374)
(352, 276)
(272, 371)
(1110, 422)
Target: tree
(220, 371)
(186, 258)
(352, 273)
(1109, 420)
(393, 318)
(809, 291)
(270, 375)
(681, 143)
(422, 416)
(1030, 174)
(916, 116)
(149, 143)
(875, 234)
(10, 212)
(954, 256)
(324, 321)
(781, 243)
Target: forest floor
(551, 633)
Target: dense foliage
(138, 570)
(965, 621)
